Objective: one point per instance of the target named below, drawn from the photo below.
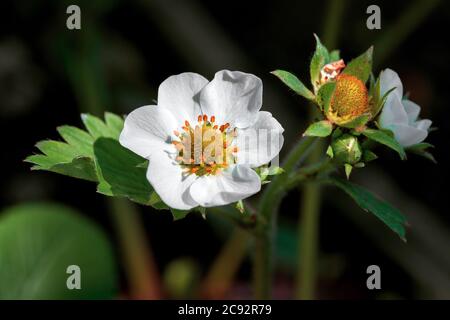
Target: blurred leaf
(319, 129)
(361, 67)
(319, 59)
(391, 216)
(120, 174)
(335, 55)
(382, 137)
(294, 83)
(38, 241)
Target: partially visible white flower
(191, 116)
(401, 115)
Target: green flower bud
(346, 149)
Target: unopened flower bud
(346, 149)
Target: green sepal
(294, 83)
(421, 150)
(319, 59)
(319, 129)
(361, 67)
(324, 96)
(348, 170)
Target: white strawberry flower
(203, 139)
(401, 115)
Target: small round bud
(346, 149)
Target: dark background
(126, 48)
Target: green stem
(264, 237)
(308, 229)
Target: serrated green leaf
(360, 67)
(391, 216)
(114, 123)
(75, 158)
(119, 174)
(81, 168)
(385, 139)
(319, 59)
(96, 127)
(294, 83)
(39, 241)
(319, 129)
(79, 139)
(56, 150)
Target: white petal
(407, 135)
(412, 109)
(260, 143)
(148, 129)
(179, 94)
(233, 97)
(169, 182)
(234, 184)
(393, 112)
(424, 124)
(389, 79)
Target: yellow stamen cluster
(349, 101)
(205, 149)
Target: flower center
(350, 99)
(205, 149)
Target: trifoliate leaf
(361, 67)
(319, 59)
(382, 137)
(319, 129)
(391, 216)
(294, 83)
